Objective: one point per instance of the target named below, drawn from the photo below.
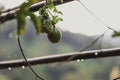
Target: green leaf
(42, 11)
(50, 4)
(21, 23)
(25, 8)
(56, 19)
(57, 11)
(116, 34)
(48, 27)
(37, 22)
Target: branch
(61, 58)
(33, 8)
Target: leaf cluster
(44, 23)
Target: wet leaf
(21, 23)
(56, 19)
(116, 34)
(25, 8)
(37, 22)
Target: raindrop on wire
(96, 53)
(10, 35)
(81, 59)
(9, 68)
(13, 34)
(78, 60)
(23, 67)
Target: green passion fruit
(55, 36)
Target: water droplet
(28, 17)
(96, 53)
(10, 35)
(9, 68)
(23, 67)
(82, 60)
(78, 60)
(13, 35)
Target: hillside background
(38, 45)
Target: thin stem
(46, 5)
(19, 44)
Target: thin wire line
(92, 14)
(19, 44)
(92, 43)
(97, 18)
(100, 43)
(100, 22)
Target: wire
(100, 43)
(92, 14)
(19, 44)
(97, 18)
(92, 43)
(100, 22)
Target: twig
(19, 44)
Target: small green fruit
(55, 36)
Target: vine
(20, 47)
(44, 23)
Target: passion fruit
(55, 36)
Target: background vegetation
(34, 46)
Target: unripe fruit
(55, 36)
